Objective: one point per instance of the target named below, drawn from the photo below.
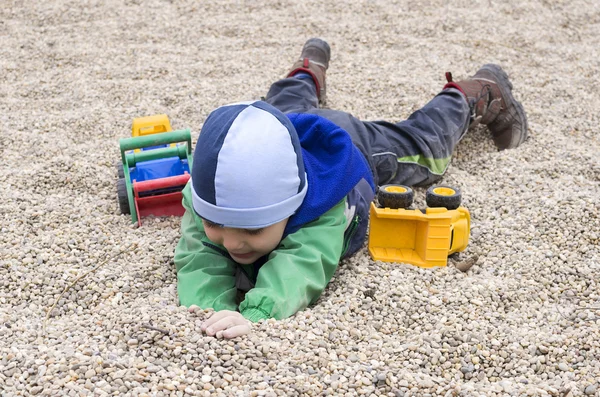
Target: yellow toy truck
(425, 238)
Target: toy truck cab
(155, 167)
(423, 238)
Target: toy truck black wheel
(119, 167)
(122, 193)
(443, 196)
(395, 196)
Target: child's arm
(205, 277)
(298, 271)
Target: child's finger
(237, 330)
(215, 318)
(221, 325)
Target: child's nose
(232, 243)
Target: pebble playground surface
(524, 320)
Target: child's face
(246, 245)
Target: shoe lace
(486, 90)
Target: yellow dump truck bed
(422, 239)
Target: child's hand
(227, 324)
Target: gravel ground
(524, 320)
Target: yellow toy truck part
(423, 238)
(148, 125)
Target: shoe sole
(508, 97)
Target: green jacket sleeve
(205, 277)
(297, 272)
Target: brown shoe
(314, 60)
(489, 93)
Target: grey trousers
(415, 151)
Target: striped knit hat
(248, 170)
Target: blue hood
(333, 167)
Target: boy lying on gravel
(280, 189)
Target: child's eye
(253, 232)
(209, 224)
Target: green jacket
(294, 275)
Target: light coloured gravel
(523, 320)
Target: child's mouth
(243, 256)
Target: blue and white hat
(248, 170)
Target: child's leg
(305, 86)
(415, 151)
(293, 95)
(422, 145)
